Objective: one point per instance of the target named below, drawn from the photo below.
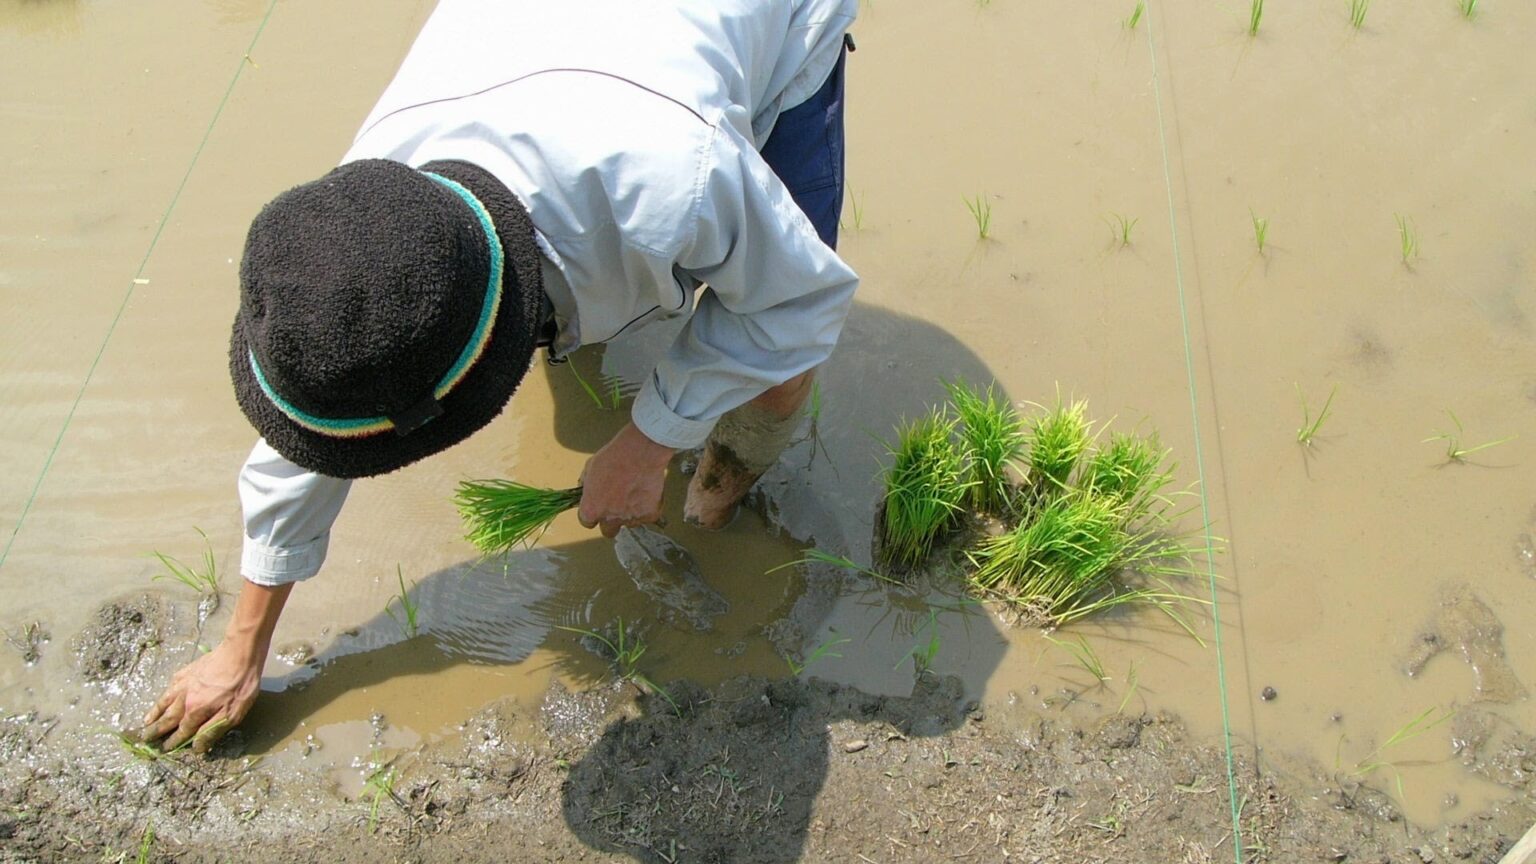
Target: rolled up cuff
(272, 566)
(663, 425)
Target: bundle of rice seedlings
(993, 437)
(924, 489)
(1057, 440)
(501, 514)
(1130, 471)
(1062, 564)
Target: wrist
(648, 451)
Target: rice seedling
(816, 556)
(1131, 472)
(408, 608)
(149, 753)
(615, 394)
(1255, 15)
(1058, 438)
(1132, 682)
(1260, 230)
(625, 650)
(924, 652)
(1407, 238)
(203, 581)
(29, 642)
(382, 784)
(501, 514)
(924, 489)
(146, 844)
(1085, 655)
(857, 207)
(813, 403)
(1376, 760)
(1468, 8)
(1060, 565)
(1311, 425)
(992, 434)
(981, 211)
(1454, 450)
(1120, 228)
(1135, 17)
(825, 649)
(1357, 10)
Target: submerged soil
(749, 770)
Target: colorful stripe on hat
(364, 426)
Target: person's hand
(622, 482)
(207, 698)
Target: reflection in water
(53, 18)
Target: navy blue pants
(805, 149)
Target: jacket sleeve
(774, 308)
(288, 513)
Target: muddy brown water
(1342, 560)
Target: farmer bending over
(538, 174)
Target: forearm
(257, 610)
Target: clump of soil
(1465, 625)
(111, 645)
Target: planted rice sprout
(1058, 438)
(925, 487)
(992, 434)
(625, 650)
(981, 212)
(1120, 228)
(203, 581)
(1468, 8)
(408, 608)
(925, 651)
(1260, 230)
(1085, 655)
(857, 208)
(1310, 425)
(1454, 451)
(381, 783)
(615, 392)
(1357, 10)
(1407, 238)
(501, 514)
(1135, 17)
(1255, 15)
(825, 649)
(1377, 759)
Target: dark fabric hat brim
(473, 403)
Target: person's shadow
(730, 773)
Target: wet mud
(751, 770)
(1466, 626)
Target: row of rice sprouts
(1087, 518)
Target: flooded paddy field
(1372, 593)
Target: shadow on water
(734, 774)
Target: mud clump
(1466, 625)
(1491, 748)
(118, 635)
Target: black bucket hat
(386, 314)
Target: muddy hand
(623, 482)
(207, 698)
